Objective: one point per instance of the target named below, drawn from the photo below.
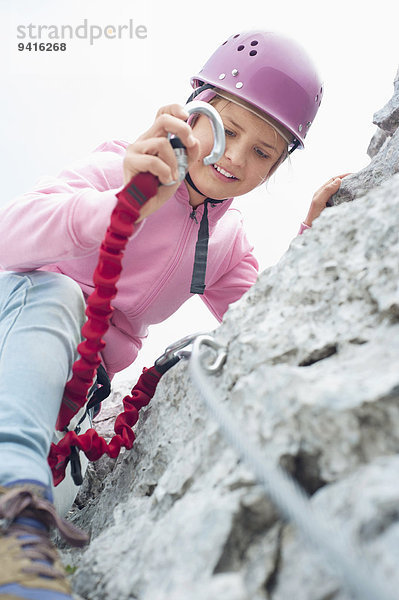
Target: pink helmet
(271, 72)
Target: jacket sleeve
(63, 217)
(303, 228)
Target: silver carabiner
(210, 342)
(219, 139)
(176, 348)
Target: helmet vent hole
(236, 35)
(253, 53)
(316, 99)
(224, 42)
(254, 43)
(241, 47)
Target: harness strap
(201, 247)
(201, 254)
(101, 392)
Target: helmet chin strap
(192, 184)
(198, 90)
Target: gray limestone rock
(364, 505)
(312, 379)
(377, 142)
(383, 149)
(383, 165)
(388, 117)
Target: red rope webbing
(92, 444)
(106, 275)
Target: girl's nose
(235, 152)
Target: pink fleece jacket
(59, 225)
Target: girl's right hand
(153, 152)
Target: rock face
(383, 150)
(312, 378)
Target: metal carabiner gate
(219, 140)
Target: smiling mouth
(224, 172)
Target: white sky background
(58, 106)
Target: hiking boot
(29, 565)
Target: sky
(56, 107)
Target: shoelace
(36, 546)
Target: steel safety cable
(288, 496)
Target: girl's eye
(260, 153)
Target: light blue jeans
(41, 315)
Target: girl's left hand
(322, 196)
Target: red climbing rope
(106, 275)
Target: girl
(187, 239)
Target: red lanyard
(106, 275)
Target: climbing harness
(286, 494)
(99, 310)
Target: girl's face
(252, 149)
